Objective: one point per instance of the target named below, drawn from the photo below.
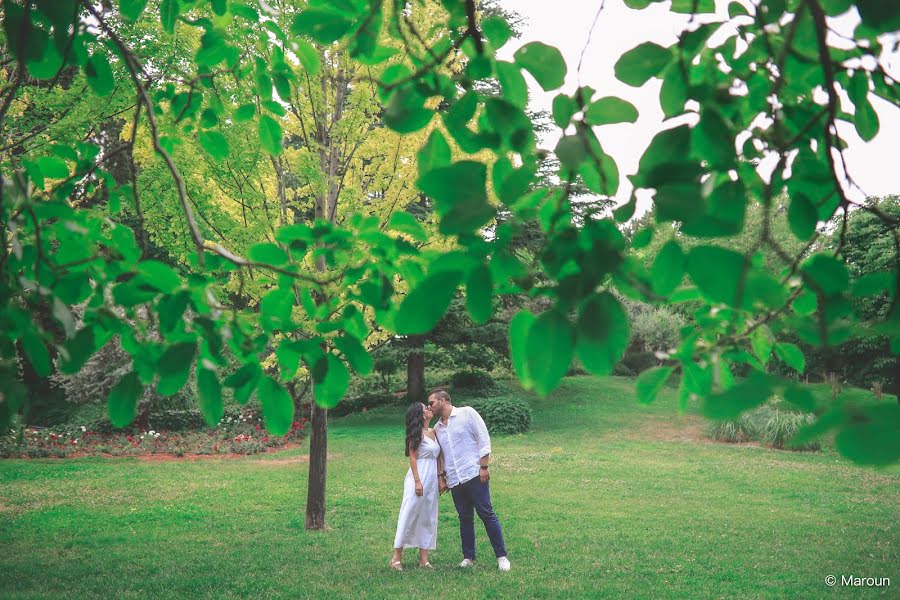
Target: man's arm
(483, 441)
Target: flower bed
(241, 434)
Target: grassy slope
(603, 498)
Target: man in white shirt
(466, 445)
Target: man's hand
(419, 489)
(484, 474)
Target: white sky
(874, 166)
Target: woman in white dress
(417, 523)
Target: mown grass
(604, 498)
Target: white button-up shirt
(464, 440)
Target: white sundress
(417, 523)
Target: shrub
(503, 416)
(639, 362)
(473, 379)
(366, 402)
(657, 329)
(769, 424)
(733, 431)
(622, 370)
(778, 427)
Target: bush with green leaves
(474, 380)
(502, 415)
(657, 329)
(366, 402)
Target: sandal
(426, 566)
(396, 565)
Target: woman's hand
(419, 489)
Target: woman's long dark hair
(415, 419)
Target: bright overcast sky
(874, 166)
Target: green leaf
(277, 406)
(873, 284)
(673, 94)
(610, 110)
(518, 352)
(159, 275)
(563, 110)
(762, 342)
(826, 274)
(36, 352)
(512, 83)
(435, 153)
(122, 402)
(651, 382)
(693, 6)
(865, 118)
(639, 64)
(99, 74)
(276, 308)
(174, 367)
(52, 167)
(244, 113)
(324, 25)
(270, 134)
(355, 353)
(743, 396)
(331, 388)
(215, 143)
(717, 272)
(736, 9)
(168, 14)
(549, 349)
(802, 217)
(497, 31)
(209, 396)
(545, 63)
(602, 333)
(404, 222)
(791, 355)
(570, 151)
(425, 304)
(406, 112)
(288, 355)
(873, 436)
(308, 55)
(78, 350)
(668, 269)
(460, 196)
(244, 381)
(679, 202)
(479, 292)
(268, 253)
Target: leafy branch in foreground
(760, 87)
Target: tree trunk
(415, 369)
(326, 208)
(318, 450)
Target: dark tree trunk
(315, 492)
(415, 369)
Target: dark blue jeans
(471, 497)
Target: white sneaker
(503, 563)
(466, 563)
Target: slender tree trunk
(315, 493)
(415, 369)
(326, 208)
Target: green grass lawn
(604, 498)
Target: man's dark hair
(441, 394)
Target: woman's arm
(415, 471)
